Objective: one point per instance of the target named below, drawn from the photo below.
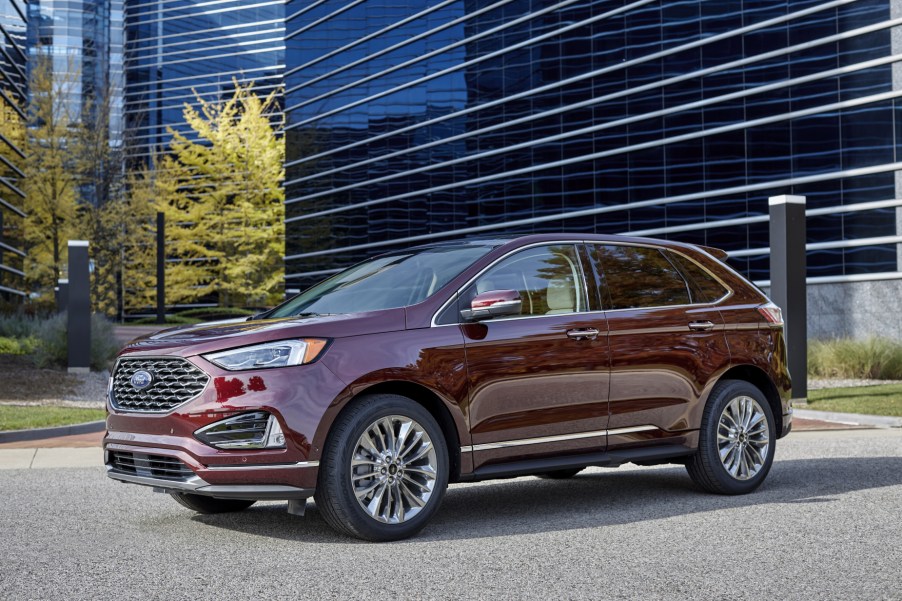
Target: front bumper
(198, 486)
(251, 482)
(297, 396)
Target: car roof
(568, 237)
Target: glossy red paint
(512, 380)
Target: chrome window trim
(491, 446)
(131, 412)
(791, 181)
(444, 306)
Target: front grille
(150, 466)
(174, 382)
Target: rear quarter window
(704, 286)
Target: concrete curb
(878, 421)
(41, 433)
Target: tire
(560, 474)
(748, 450)
(397, 495)
(203, 504)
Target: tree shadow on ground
(589, 500)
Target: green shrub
(53, 346)
(104, 345)
(18, 325)
(17, 346)
(212, 313)
(873, 358)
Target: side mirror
(495, 303)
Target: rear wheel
(737, 440)
(561, 474)
(202, 504)
(384, 470)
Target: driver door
(538, 380)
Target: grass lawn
(885, 399)
(14, 417)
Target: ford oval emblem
(141, 379)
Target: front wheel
(384, 470)
(737, 439)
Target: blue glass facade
(176, 47)
(420, 120)
(13, 101)
(75, 34)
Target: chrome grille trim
(175, 382)
(149, 466)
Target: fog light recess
(257, 430)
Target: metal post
(79, 307)
(787, 282)
(62, 295)
(161, 268)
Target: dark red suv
(456, 362)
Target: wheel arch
(758, 377)
(430, 401)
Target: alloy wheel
(743, 438)
(393, 469)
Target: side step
(602, 459)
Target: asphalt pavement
(827, 524)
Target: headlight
(257, 430)
(271, 354)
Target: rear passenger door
(666, 341)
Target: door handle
(583, 334)
(701, 326)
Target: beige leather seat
(561, 297)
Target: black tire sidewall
(335, 479)
(721, 397)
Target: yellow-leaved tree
(51, 181)
(223, 200)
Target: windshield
(385, 282)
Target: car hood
(191, 340)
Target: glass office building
(176, 47)
(75, 35)
(13, 101)
(423, 120)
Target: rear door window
(638, 277)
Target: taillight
(772, 313)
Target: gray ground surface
(826, 525)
